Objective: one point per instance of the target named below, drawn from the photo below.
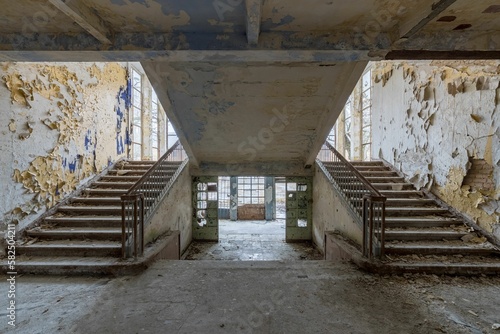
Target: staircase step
(421, 222)
(127, 172)
(92, 209)
(401, 193)
(71, 248)
(379, 173)
(367, 163)
(415, 211)
(383, 179)
(393, 186)
(394, 194)
(105, 192)
(117, 185)
(85, 221)
(97, 200)
(409, 202)
(415, 234)
(140, 162)
(439, 248)
(77, 233)
(121, 178)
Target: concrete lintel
(458, 40)
(441, 55)
(229, 56)
(274, 168)
(410, 28)
(253, 17)
(150, 42)
(85, 19)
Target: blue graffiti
(120, 149)
(72, 166)
(128, 140)
(88, 140)
(125, 95)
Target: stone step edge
(120, 267)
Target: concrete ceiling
(223, 67)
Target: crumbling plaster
(60, 125)
(431, 118)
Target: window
(171, 135)
(155, 136)
(366, 116)
(250, 190)
(136, 115)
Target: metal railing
(366, 204)
(141, 201)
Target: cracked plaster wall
(430, 119)
(60, 124)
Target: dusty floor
(254, 297)
(252, 241)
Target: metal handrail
(150, 171)
(141, 200)
(366, 204)
(353, 169)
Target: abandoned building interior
(136, 132)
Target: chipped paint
(65, 118)
(431, 119)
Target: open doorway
(247, 210)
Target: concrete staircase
(423, 236)
(86, 232)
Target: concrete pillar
(233, 202)
(357, 124)
(340, 143)
(270, 198)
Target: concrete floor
(235, 296)
(254, 297)
(252, 241)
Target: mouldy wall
(436, 120)
(174, 213)
(329, 214)
(60, 124)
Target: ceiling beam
(253, 17)
(85, 19)
(339, 41)
(418, 22)
(442, 55)
(238, 56)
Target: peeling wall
(60, 124)
(432, 119)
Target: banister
(354, 171)
(152, 169)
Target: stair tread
(415, 208)
(456, 245)
(88, 217)
(77, 230)
(412, 219)
(72, 244)
(90, 207)
(425, 231)
(58, 261)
